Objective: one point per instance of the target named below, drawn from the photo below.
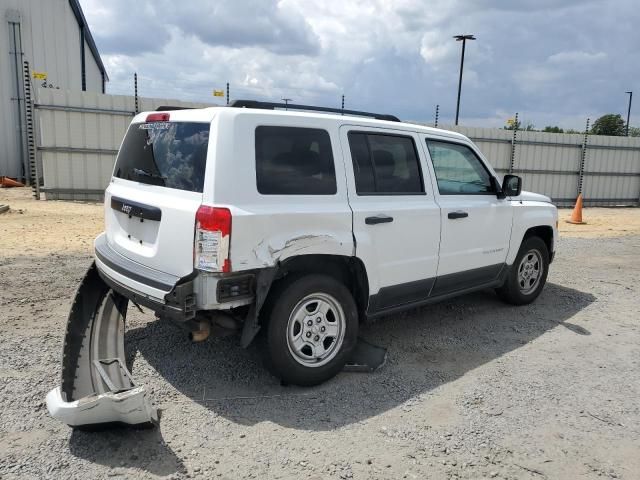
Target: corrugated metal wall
(92, 72)
(78, 136)
(51, 43)
(612, 168)
(606, 170)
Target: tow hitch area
(96, 386)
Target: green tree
(634, 131)
(551, 129)
(513, 125)
(609, 124)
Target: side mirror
(511, 185)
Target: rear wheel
(528, 273)
(313, 327)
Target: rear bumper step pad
(132, 407)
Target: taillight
(157, 117)
(213, 232)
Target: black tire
(286, 299)
(512, 290)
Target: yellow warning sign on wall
(40, 75)
(218, 93)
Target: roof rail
(293, 106)
(167, 108)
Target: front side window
(458, 169)
(168, 154)
(294, 161)
(385, 164)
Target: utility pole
(629, 111)
(227, 93)
(463, 39)
(435, 124)
(343, 102)
(286, 102)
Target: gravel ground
(472, 388)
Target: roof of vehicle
(207, 115)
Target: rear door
(157, 186)
(476, 224)
(396, 221)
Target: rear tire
(528, 274)
(312, 329)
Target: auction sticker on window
(154, 126)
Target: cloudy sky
(553, 61)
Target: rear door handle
(458, 214)
(378, 219)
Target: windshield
(169, 154)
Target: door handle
(458, 214)
(378, 219)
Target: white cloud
(396, 56)
(435, 49)
(577, 57)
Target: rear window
(294, 161)
(169, 154)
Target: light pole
(286, 102)
(463, 39)
(629, 110)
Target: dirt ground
(72, 226)
(42, 227)
(472, 388)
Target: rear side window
(385, 164)
(294, 161)
(169, 154)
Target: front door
(476, 224)
(396, 221)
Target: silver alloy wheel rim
(530, 272)
(315, 331)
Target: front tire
(528, 273)
(312, 329)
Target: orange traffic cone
(576, 215)
(8, 182)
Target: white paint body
(421, 242)
(132, 406)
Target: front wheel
(313, 327)
(528, 273)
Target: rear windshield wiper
(143, 173)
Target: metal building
(54, 38)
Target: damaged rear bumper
(168, 295)
(132, 407)
(96, 386)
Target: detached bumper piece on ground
(97, 387)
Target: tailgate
(156, 190)
(152, 227)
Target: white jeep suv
(300, 224)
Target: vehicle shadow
(124, 447)
(427, 347)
